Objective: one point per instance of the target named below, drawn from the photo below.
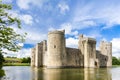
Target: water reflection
(28, 73)
(72, 74)
(2, 73)
(97, 74)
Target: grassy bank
(16, 64)
(115, 65)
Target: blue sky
(99, 19)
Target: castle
(54, 54)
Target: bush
(1, 60)
(115, 61)
(26, 60)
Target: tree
(26, 60)
(115, 61)
(9, 39)
(1, 60)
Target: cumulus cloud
(98, 14)
(20, 54)
(25, 4)
(116, 47)
(35, 37)
(67, 27)
(63, 7)
(94, 34)
(27, 19)
(7, 1)
(72, 42)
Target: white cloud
(116, 47)
(7, 1)
(26, 4)
(24, 53)
(63, 7)
(67, 27)
(72, 42)
(35, 37)
(21, 53)
(27, 19)
(94, 34)
(20, 44)
(51, 29)
(23, 4)
(93, 10)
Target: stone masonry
(54, 54)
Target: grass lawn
(16, 64)
(115, 65)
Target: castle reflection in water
(72, 74)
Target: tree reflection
(2, 73)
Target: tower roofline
(57, 32)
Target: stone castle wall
(56, 49)
(54, 54)
(105, 54)
(38, 56)
(32, 57)
(73, 57)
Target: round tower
(56, 49)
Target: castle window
(54, 46)
(105, 47)
(105, 59)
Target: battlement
(90, 40)
(105, 43)
(57, 32)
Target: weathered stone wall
(44, 53)
(56, 49)
(32, 57)
(101, 59)
(87, 47)
(54, 54)
(38, 55)
(89, 52)
(81, 49)
(105, 56)
(73, 57)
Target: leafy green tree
(115, 61)
(9, 39)
(26, 60)
(1, 60)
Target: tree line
(9, 59)
(115, 61)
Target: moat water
(27, 73)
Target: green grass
(12, 59)
(115, 65)
(16, 64)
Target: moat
(27, 73)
